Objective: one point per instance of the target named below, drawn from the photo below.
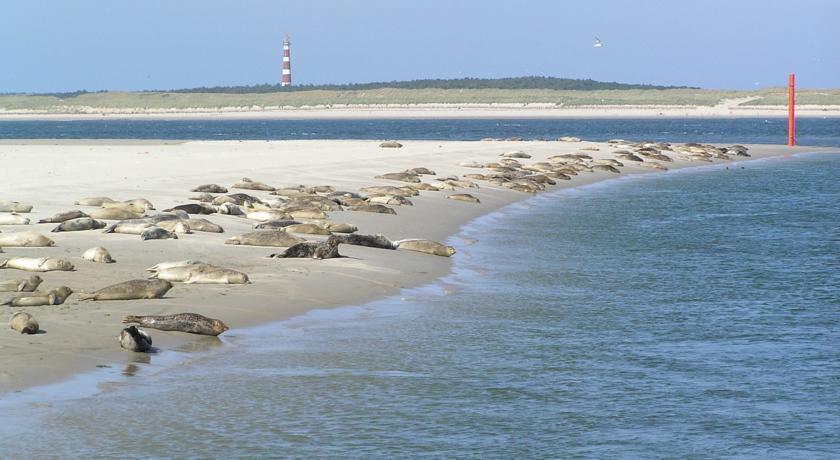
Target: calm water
(811, 131)
(688, 314)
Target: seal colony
(240, 249)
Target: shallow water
(687, 314)
(810, 131)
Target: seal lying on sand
(201, 274)
(14, 206)
(210, 188)
(399, 176)
(21, 285)
(308, 229)
(204, 225)
(38, 298)
(63, 216)
(133, 338)
(275, 224)
(265, 238)
(13, 219)
(25, 240)
(79, 224)
(24, 323)
(376, 208)
(157, 233)
(324, 250)
(191, 323)
(193, 208)
(128, 227)
(37, 264)
(371, 241)
(464, 197)
(249, 184)
(426, 246)
(98, 254)
(390, 145)
(114, 214)
(94, 201)
(130, 290)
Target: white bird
(598, 43)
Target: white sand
(80, 335)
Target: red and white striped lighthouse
(287, 66)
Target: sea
(687, 314)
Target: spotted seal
(191, 323)
(324, 250)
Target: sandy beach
(79, 335)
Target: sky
(67, 45)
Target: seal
(307, 214)
(37, 264)
(423, 186)
(275, 224)
(275, 238)
(21, 285)
(157, 233)
(322, 250)
(133, 338)
(191, 323)
(175, 226)
(39, 298)
(62, 217)
(376, 208)
(606, 168)
(464, 197)
(393, 200)
(335, 227)
(166, 265)
(210, 188)
(98, 254)
(391, 190)
(193, 208)
(242, 199)
(515, 154)
(263, 216)
(14, 206)
(114, 214)
(399, 176)
(130, 290)
(308, 229)
(204, 225)
(130, 207)
(94, 201)
(420, 171)
(13, 219)
(390, 145)
(248, 184)
(425, 246)
(201, 274)
(372, 241)
(203, 197)
(24, 323)
(25, 240)
(129, 227)
(79, 224)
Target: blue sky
(52, 45)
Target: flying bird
(598, 43)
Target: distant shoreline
(428, 111)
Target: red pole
(791, 116)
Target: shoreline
(425, 111)
(406, 270)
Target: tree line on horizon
(530, 82)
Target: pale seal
(248, 184)
(79, 224)
(515, 154)
(263, 216)
(24, 323)
(114, 214)
(323, 250)
(391, 190)
(25, 240)
(191, 323)
(128, 227)
(98, 254)
(166, 265)
(393, 200)
(13, 219)
(308, 214)
(94, 201)
(130, 290)
(21, 285)
(336, 227)
(175, 226)
(308, 229)
(464, 197)
(204, 225)
(14, 206)
(39, 298)
(201, 274)
(426, 246)
(133, 338)
(37, 264)
(277, 238)
(375, 208)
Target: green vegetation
(530, 82)
(778, 96)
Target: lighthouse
(287, 67)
